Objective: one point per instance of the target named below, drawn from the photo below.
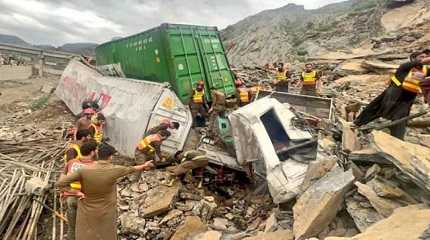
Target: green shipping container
(179, 54)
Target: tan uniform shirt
(97, 212)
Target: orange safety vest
(98, 133)
(76, 147)
(309, 78)
(244, 95)
(281, 76)
(411, 83)
(198, 96)
(76, 185)
(145, 143)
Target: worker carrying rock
(73, 192)
(310, 80)
(98, 122)
(283, 76)
(165, 124)
(243, 94)
(187, 162)
(150, 145)
(73, 150)
(97, 210)
(198, 105)
(396, 101)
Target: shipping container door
(218, 74)
(187, 61)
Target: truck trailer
(178, 54)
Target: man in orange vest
(243, 93)
(150, 145)
(96, 128)
(198, 105)
(310, 80)
(73, 151)
(396, 101)
(73, 193)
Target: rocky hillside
(78, 48)
(293, 33)
(10, 39)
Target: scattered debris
(405, 223)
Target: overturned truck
(130, 107)
(271, 140)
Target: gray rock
(318, 206)
(131, 223)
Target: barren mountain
(294, 33)
(10, 39)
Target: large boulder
(318, 206)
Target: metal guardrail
(36, 51)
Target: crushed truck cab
(265, 137)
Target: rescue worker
(217, 110)
(164, 125)
(97, 215)
(310, 80)
(150, 145)
(187, 161)
(198, 104)
(90, 104)
(396, 101)
(243, 93)
(73, 151)
(97, 125)
(282, 79)
(85, 121)
(73, 194)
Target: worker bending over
(164, 125)
(97, 210)
(396, 101)
(198, 105)
(243, 93)
(73, 150)
(187, 161)
(73, 192)
(98, 121)
(150, 145)
(283, 77)
(310, 80)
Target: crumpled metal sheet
(253, 144)
(127, 104)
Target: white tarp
(253, 144)
(130, 106)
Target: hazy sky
(61, 21)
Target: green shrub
(302, 52)
(40, 103)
